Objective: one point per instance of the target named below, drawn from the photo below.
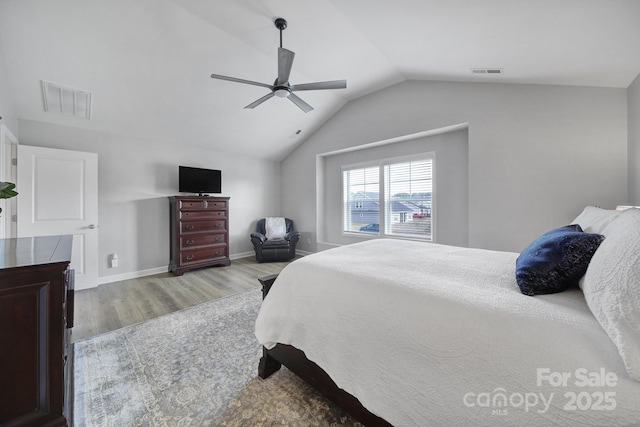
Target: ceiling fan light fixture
(282, 92)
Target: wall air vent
(65, 100)
(487, 71)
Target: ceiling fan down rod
(280, 24)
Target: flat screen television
(198, 180)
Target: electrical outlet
(114, 260)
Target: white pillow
(595, 220)
(611, 287)
(276, 228)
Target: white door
(58, 194)
(8, 153)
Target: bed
(408, 333)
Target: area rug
(195, 367)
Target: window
(406, 186)
(361, 198)
(408, 190)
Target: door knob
(91, 226)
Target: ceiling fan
(281, 87)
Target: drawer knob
(189, 227)
(190, 257)
(190, 242)
(218, 224)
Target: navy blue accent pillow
(556, 260)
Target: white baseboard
(241, 255)
(158, 270)
(132, 275)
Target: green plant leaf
(7, 190)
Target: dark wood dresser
(36, 317)
(199, 232)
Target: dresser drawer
(195, 240)
(217, 205)
(193, 204)
(192, 256)
(193, 215)
(199, 226)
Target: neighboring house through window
(405, 187)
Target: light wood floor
(114, 305)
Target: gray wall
(537, 154)
(633, 106)
(134, 179)
(451, 184)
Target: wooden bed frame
(296, 361)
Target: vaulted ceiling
(147, 63)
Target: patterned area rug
(195, 367)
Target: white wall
(633, 106)
(8, 122)
(134, 179)
(537, 154)
(7, 107)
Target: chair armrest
(260, 237)
(292, 235)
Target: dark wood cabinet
(36, 316)
(199, 232)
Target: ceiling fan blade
(233, 79)
(254, 104)
(285, 62)
(333, 84)
(300, 103)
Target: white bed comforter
(427, 334)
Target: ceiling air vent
(487, 71)
(65, 100)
